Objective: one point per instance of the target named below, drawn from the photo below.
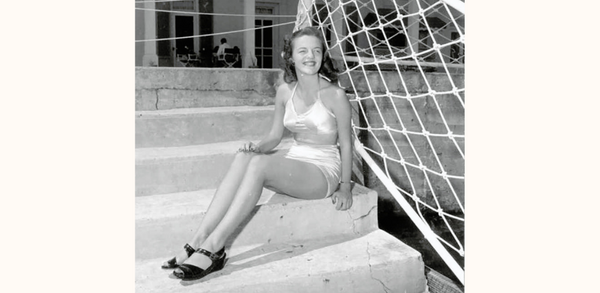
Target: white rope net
(402, 61)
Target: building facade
(252, 26)
(257, 29)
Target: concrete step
(259, 80)
(170, 88)
(164, 223)
(375, 262)
(193, 126)
(167, 98)
(186, 168)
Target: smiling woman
(308, 55)
(326, 70)
(318, 165)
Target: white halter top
(316, 126)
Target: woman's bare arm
(340, 106)
(273, 138)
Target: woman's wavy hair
(327, 69)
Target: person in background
(224, 45)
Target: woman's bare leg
(220, 202)
(288, 176)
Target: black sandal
(172, 263)
(188, 272)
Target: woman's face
(307, 55)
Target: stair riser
(165, 99)
(169, 88)
(201, 128)
(269, 223)
(181, 174)
(262, 81)
(359, 280)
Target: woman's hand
(342, 198)
(249, 147)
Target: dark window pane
(257, 52)
(268, 41)
(268, 62)
(184, 26)
(268, 52)
(258, 38)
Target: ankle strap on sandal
(210, 255)
(189, 250)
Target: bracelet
(343, 182)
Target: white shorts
(325, 157)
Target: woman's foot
(180, 258)
(200, 264)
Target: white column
(150, 58)
(248, 48)
(413, 25)
(338, 33)
(196, 28)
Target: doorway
(263, 43)
(266, 41)
(184, 27)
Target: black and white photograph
(299, 146)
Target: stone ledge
(165, 222)
(194, 126)
(186, 168)
(262, 81)
(165, 99)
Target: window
(263, 38)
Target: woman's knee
(243, 157)
(258, 164)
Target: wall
(383, 110)
(160, 88)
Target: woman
(318, 113)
